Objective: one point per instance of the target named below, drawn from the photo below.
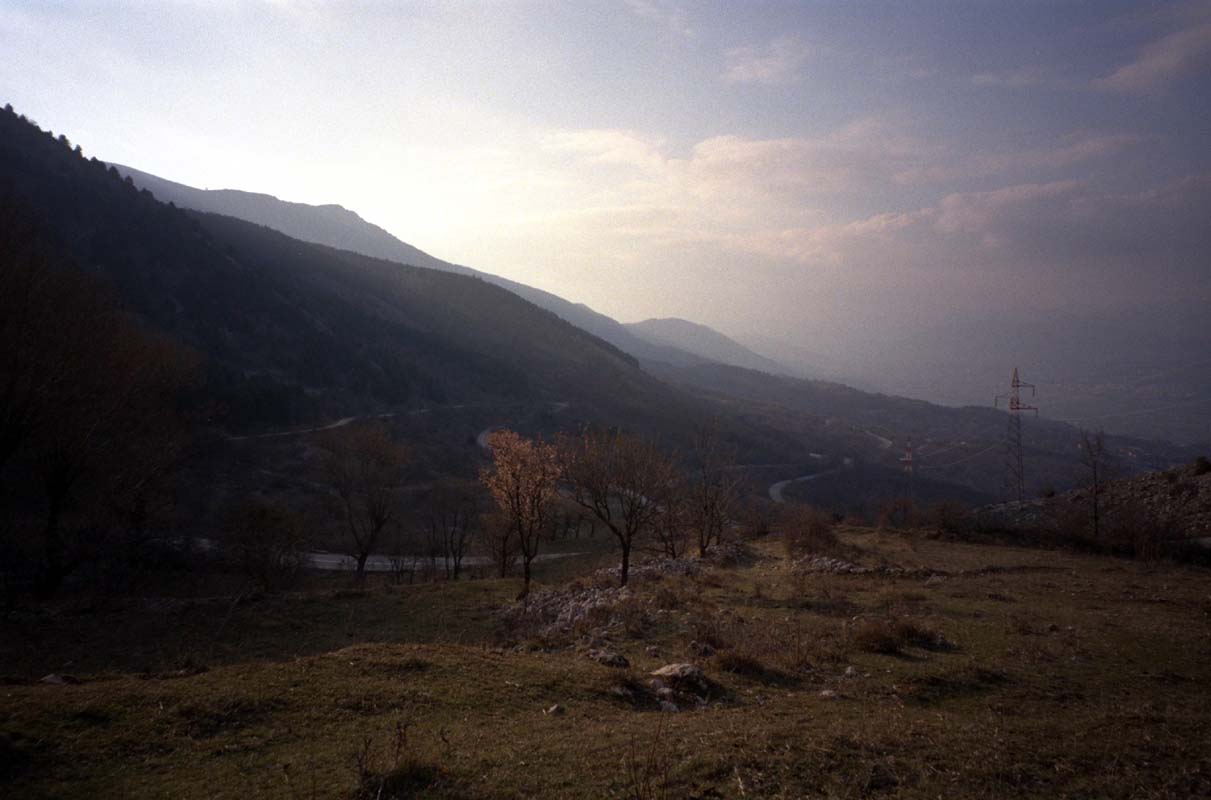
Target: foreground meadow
(941, 669)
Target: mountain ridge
(315, 223)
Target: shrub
(899, 512)
(808, 530)
(401, 773)
(1202, 465)
(740, 663)
(267, 542)
(890, 636)
(876, 636)
(950, 517)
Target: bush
(1202, 465)
(950, 517)
(400, 771)
(876, 636)
(740, 663)
(899, 512)
(808, 530)
(267, 542)
(890, 636)
(1140, 532)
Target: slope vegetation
(336, 226)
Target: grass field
(981, 671)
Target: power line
(1185, 404)
(992, 446)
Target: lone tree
(523, 482)
(1096, 459)
(713, 489)
(623, 480)
(364, 466)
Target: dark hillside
(281, 318)
(294, 332)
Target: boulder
(683, 676)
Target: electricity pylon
(906, 460)
(1015, 473)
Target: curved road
(775, 490)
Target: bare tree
(1096, 459)
(712, 493)
(267, 538)
(672, 525)
(499, 539)
(623, 480)
(523, 482)
(449, 516)
(364, 466)
(87, 400)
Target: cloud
(1014, 79)
(666, 15)
(607, 146)
(981, 165)
(979, 212)
(1161, 62)
(778, 63)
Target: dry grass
(298, 683)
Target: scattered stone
(828, 694)
(668, 707)
(652, 569)
(1180, 496)
(652, 650)
(58, 680)
(554, 711)
(851, 672)
(701, 649)
(608, 658)
(728, 554)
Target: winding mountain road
(775, 490)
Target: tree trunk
(361, 566)
(55, 564)
(626, 563)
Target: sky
(807, 171)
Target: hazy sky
(792, 168)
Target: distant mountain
(707, 343)
(343, 229)
(1143, 372)
(959, 445)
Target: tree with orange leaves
(523, 482)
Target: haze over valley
(611, 399)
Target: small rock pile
(828, 564)
(728, 554)
(563, 610)
(818, 564)
(652, 569)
